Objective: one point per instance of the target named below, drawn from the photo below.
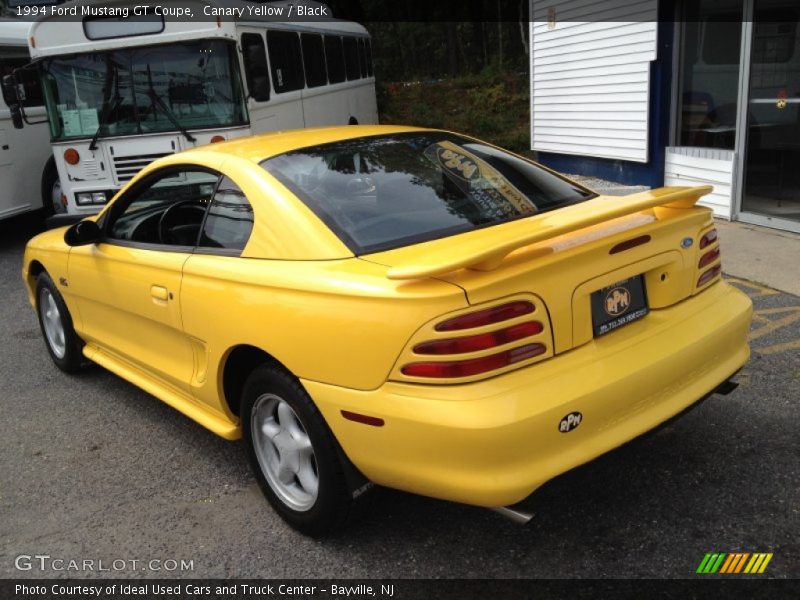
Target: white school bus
(121, 92)
(28, 179)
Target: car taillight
(708, 258)
(496, 314)
(711, 255)
(522, 324)
(709, 275)
(474, 366)
(482, 341)
(708, 238)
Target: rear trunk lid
(566, 255)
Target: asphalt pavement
(92, 468)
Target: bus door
(273, 71)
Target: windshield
(384, 192)
(144, 90)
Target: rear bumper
(492, 443)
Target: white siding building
(673, 92)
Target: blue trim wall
(650, 173)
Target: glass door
(771, 165)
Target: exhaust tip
(726, 387)
(515, 514)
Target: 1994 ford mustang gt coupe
(394, 305)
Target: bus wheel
(51, 189)
(352, 121)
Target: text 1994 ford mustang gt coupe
(403, 306)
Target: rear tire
(293, 453)
(63, 344)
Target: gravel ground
(92, 467)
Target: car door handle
(159, 292)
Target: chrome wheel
(284, 452)
(52, 324)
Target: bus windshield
(187, 85)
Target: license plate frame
(619, 304)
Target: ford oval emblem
(687, 242)
(570, 422)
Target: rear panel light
(709, 275)
(709, 245)
(474, 366)
(708, 238)
(479, 343)
(708, 258)
(482, 341)
(496, 314)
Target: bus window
(351, 58)
(29, 88)
(362, 57)
(369, 59)
(286, 60)
(334, 57)
(255, 66)
(314, 59)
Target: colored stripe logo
(734, 562)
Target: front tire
(51, 189)
(63, 344)
(292, 453)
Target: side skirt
(180, 402)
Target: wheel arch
(35, 268)
(237, 364)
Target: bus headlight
(84, 198)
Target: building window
(709, 85)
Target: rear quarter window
(383, 192)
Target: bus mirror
(16, 116)
(83, 233)
(12, 99)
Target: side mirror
(11, 97)
(16, 116)
(83, 234)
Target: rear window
(383, 192)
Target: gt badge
(617, 301)
(570, 422)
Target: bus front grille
(125, 167)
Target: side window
(29, 89)
(362, 57)
(351, 58)
(334, 56)
(285, 60)
(314, 59)
(255, 66)
(165, 209)
(369, 59)
(230, 219)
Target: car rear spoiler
(486, 249)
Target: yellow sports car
(392, 305)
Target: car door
(128, 286)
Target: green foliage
(492, 106)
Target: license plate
(618, 305)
